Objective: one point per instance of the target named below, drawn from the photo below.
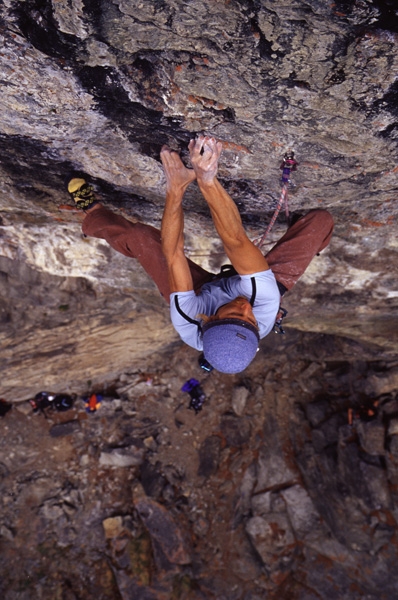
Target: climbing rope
(288, 165)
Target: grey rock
(273, 470)
(380, 383)
(128, 588)
(317, 412)
(236, 430)
(304, 518)
(393, 427)
(372, 437)
(244, 500)
(377, 484)
(209, 456)
(319, 440)
(164, 530)
(239, 399)
(122, 457)
(6, 533)
(273, 539)
(330, 428)
(201, 526)
(261, 503)
(152, 479)
(51, 511)
(3, 471)
(67, 428)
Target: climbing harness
(288, 165)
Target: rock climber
(225, 317)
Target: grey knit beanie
(229, 345)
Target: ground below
(282, 486)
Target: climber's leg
(292, 254)
(139, 241)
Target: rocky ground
(282, 487)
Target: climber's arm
(178, 177)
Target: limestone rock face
(98, 87)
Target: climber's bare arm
(243, 254)
(178, 177)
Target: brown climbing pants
(288, 259)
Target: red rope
(282, 201)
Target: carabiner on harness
(279, 318)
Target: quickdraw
(288, 165)
(279, 318)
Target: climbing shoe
(82, 193)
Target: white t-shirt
(259, 288)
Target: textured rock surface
(146, 499)
(99, 87)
